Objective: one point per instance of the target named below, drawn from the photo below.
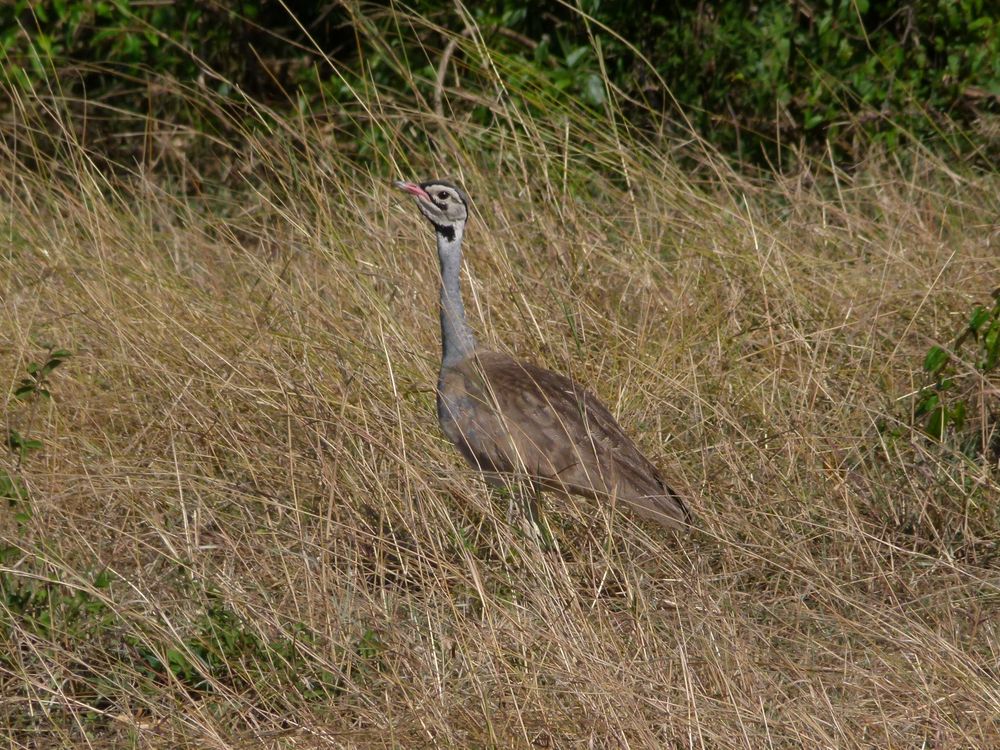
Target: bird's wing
(533, 420)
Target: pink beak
(413, 188)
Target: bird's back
(513, 417)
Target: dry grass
(244, 438)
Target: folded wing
(508, 416)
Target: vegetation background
(765, 234)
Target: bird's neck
(456, 337)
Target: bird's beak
(413, 189)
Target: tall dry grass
(244, 442)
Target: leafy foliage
(830, 71)
(959, 374)
(31, 389)
(218, 650)
(177, 39)
(754, 82)
(38, 374)
(221, 649)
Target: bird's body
(515, 419)
(512, 418)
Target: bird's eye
(443, 195)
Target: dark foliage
(752, 78)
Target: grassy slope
(245, 437)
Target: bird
(512, 418)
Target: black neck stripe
(446, 231)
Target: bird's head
(443, 202)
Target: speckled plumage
(512, 418)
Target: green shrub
(843, 72)
(956, 402)
(762, 82)
(31, 389)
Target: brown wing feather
(515, 417)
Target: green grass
(241, 526)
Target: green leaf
(980, 315)
(178, 661)
(575, 56)
(928, 401)
(108, 32)
(935, 360)
(44, 42)
(12, 489)
(61, 354)
(25, 390)
(593, 90)
(991, 346)
(14, 440)
(956, 415)
(812, 121)
(936, 423)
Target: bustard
(512, 418)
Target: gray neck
(456, 338)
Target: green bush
(761, 83)
(97, 43)
(957, 401)
(802, 75)
(31, 389)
